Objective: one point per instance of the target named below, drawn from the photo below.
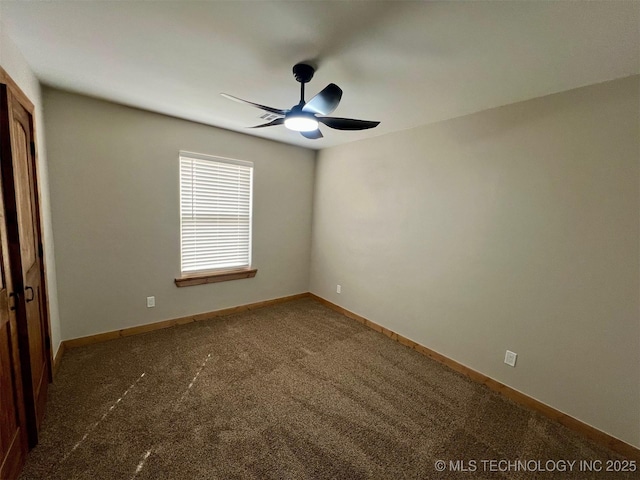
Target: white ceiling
(403, 63)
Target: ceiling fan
(305, 116)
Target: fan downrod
(303, 72)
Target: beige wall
(12, 61)
(514, 228)
(114, 188)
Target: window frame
(223, 274)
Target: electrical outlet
(339, 289)
(151, 302)
(510, 358)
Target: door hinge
(40, 250)
(33, 149)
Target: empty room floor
(293, 390)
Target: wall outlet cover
(510, 358)
(151, 302)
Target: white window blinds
(215, 212)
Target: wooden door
(13, 434)
(24, 241)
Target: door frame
(7, 85)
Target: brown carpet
(292, 391)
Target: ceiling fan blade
(277, 121)
(347, 123)
(313, 135)
(277, 111)
(324, 102)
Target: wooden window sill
(214, 277)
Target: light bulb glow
(301, 123)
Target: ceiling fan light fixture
(301, 122)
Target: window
(215, 219)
